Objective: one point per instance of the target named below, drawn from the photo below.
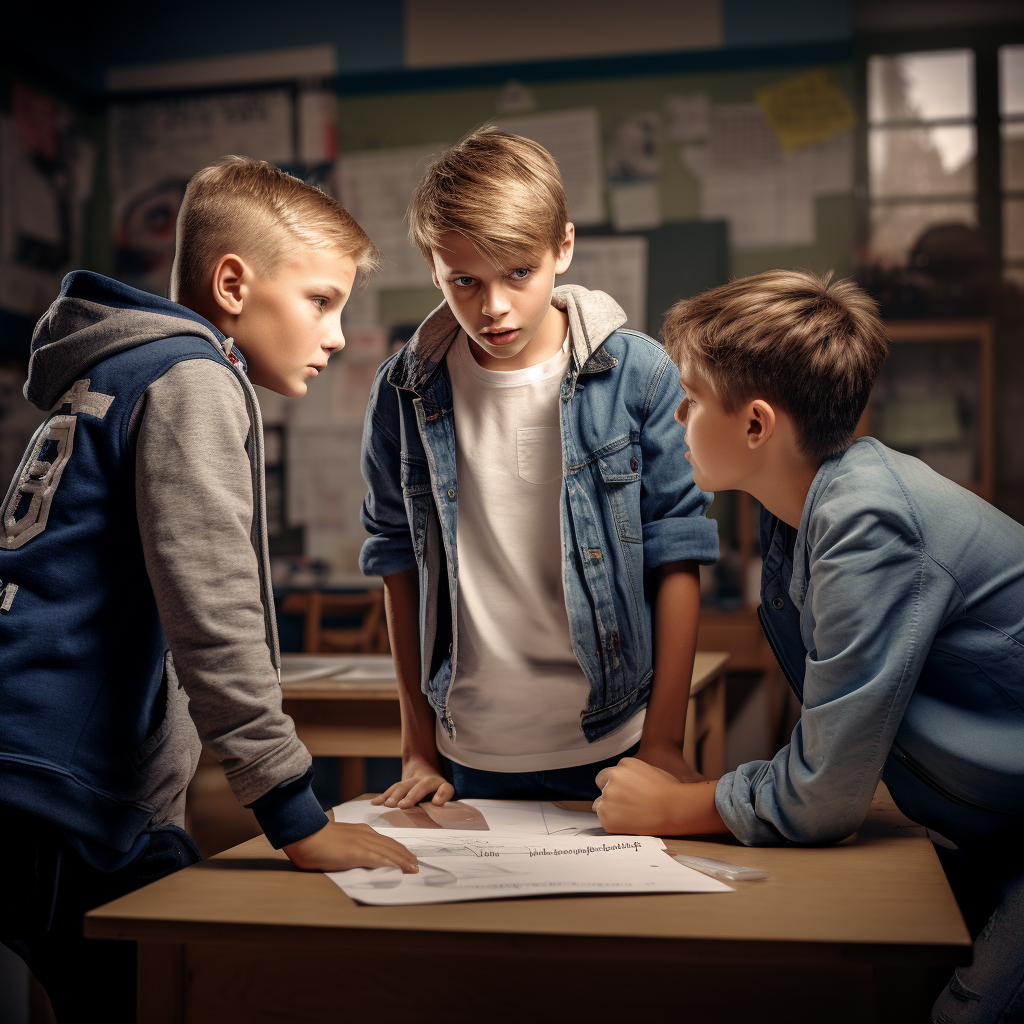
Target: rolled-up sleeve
(876, 601)
(389, 548)
(673, 508)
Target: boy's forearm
(676, 610)
(402, 605)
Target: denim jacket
(628, 501)
(896, 612)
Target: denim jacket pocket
(620, 471)
(418, 495)
(539, 454)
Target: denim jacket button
(451, 494)
(778, 604)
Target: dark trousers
(989, 888)
(575, 783)
(48, 888)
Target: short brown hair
(499, 190)
(811, 345)
(256, 210)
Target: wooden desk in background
(350, 711)
(836, 934)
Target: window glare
(1011, 80)
(921, 86)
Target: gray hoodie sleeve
(194, 495)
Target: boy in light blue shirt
(892, 598)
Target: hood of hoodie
(94, 318)
(593, 317)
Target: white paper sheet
(375, 186)
(689, 116)
(455, 867)
(525, 818)
(636, 205)
(617, 266)
(767, 196)
(573, 138)
(157, 145)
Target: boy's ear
(433, 272)
(564, 257)
(760, 423)
(229, 283)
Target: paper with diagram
(456, 866)
(497, 849)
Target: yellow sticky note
(807, 108)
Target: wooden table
(836, 934)
(350, 711)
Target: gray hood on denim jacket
(593, 317)
(76, 333)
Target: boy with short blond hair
(538, 540)
(892, 598)
(137, 614)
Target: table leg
(351, 777)
(160, 973)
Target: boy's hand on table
(639, 799)
(420, 779)
(337, 847)
(669, 758)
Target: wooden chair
(369, 637)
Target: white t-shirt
(518, 690)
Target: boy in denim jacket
(892, 598)
(537, 536)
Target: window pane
(896, 227)
(921, 86)
(1011, 79)
(1013, 229)
(921, 161)
(1013, 155)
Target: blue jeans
(989, 887)
(575, 783)
(49, 887)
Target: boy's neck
(781, 484)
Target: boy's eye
(464, 282)
(520, 273)
(320, 303)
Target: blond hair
(811, 345)
(499, 190)
(256, 210)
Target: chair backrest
(368, 636)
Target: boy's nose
(681, 412)
(496, 302)
(336, 342)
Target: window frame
(985, 41)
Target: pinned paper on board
(807, 108)
(375, 186)
(573, 138)
(766, 195)
(689, 116)
(155, 148)
(617, 266)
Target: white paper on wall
(767, 196)
(573, 138)
(376, 186)
(617, 266)
(689, 116)
(155, 148)
(636, 205)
